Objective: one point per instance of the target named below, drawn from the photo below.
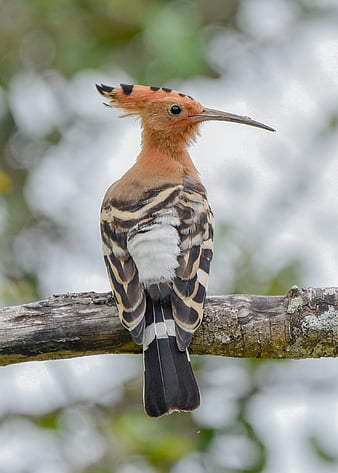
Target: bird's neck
(172, 165)
(155, 167)
(167, 158)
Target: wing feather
(128, 291)
(191, 281)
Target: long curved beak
(210, 114)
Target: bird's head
(167, 113)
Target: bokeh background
(274, 196)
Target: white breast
(155, 248)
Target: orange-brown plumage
(157, 233)
(165, 136)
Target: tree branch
(302, 324)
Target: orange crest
(135, 97)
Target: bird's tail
(169, 381)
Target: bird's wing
(128, 291)
(196, 243)
(129, 232)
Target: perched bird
(157, 233)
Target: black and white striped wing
(191, 281)
(123, 275)
(140, 246)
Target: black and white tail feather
(169, 381)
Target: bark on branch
(302, 324)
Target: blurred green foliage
(162, 443)
(321, 451)
(156, 39)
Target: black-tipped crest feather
(104, 89)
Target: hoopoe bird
(157, 233)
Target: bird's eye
(175, 109)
